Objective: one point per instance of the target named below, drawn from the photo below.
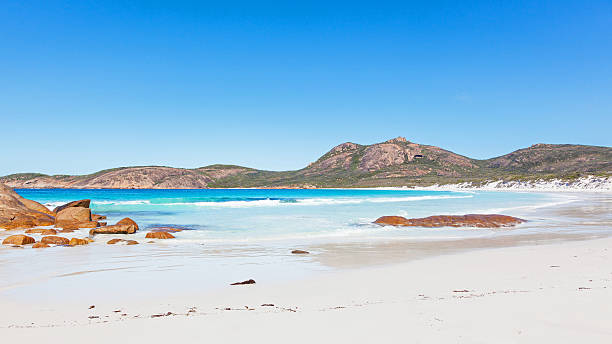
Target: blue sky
(88, 85)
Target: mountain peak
(399, 139)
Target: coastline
(403, 282)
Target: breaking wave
(274, 202)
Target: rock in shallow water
(40, 245)
(470, 220)
(165, 229)
(128, 221)
(127, 242)
(299, 252)
(251, 281)
(115, 229)
(159, 235)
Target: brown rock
(392, 220)
(65, 230)
(41, 231)
(32, 205)
(39, 245)
(116, 229)
(251, 281)
(35, 206)
(72, 215)
(299, 252)
(96, 217)
(127, 242)
(55, 240)
(14, 213)
(84, 203)
(77, 225)
(19, 239)
(77, 241)
(470, 220)
(159, 235)
(128, 221)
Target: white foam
(134, 202)
(52, 205)
(313, 201)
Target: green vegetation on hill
(396, 162)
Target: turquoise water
(246, 215)
(238, 234)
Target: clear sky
(88, 85)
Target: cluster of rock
(17, 212)
(470, 220)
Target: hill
(395, 162)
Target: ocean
(233, 235)
(256, 215)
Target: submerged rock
(127, 242)
(19, 239)
(55, 240)
(166, 229)
(40, 245)
(84, 203)
(159, 235)
(470, 220)
(299, 252)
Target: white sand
(514, 295)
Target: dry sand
(558, 292)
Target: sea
(260, 215)
(231, 235)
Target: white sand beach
(544, 293)
(516, 288)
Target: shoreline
(558, 291)
(408, 283)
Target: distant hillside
(394, 162)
